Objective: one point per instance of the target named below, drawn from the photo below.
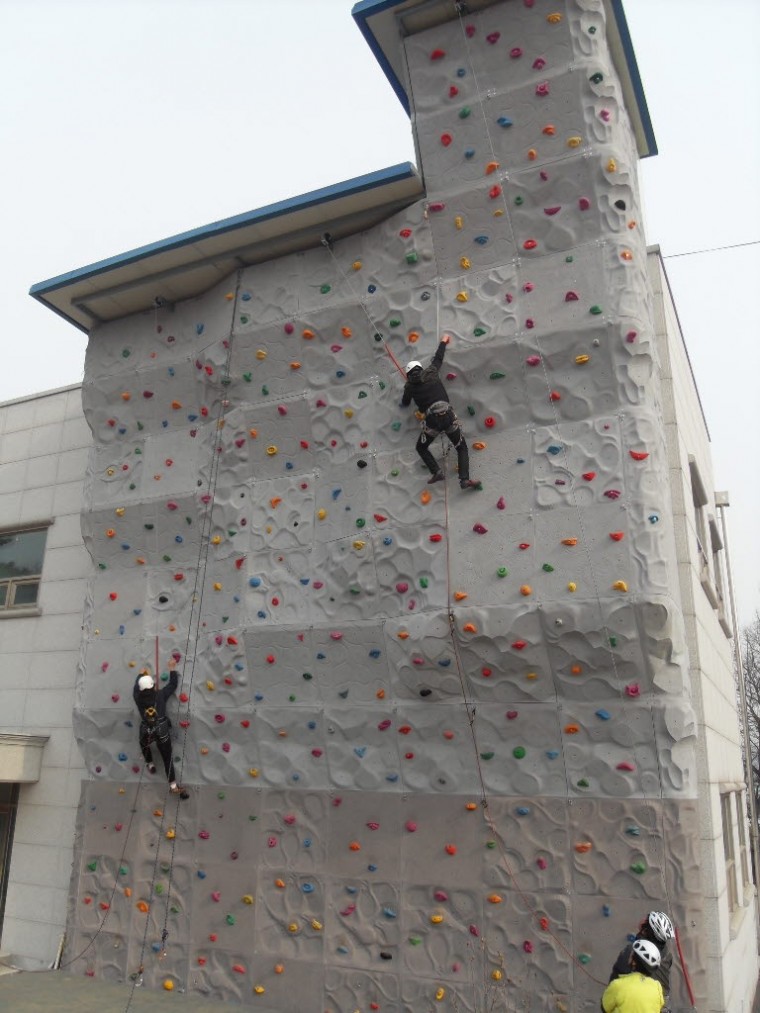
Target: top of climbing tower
(383, 23)
(190, 263)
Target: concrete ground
(58, 992)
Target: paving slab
(46, 991)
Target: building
(439, 745)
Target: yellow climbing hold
(259, 989)
(572, 586)
(253, 772)
(462, 297)
(229, 296)
(575, 141)
(620, 585)
(554, 19)
(531, 675)
(247, 898)
(321, 514)
(436, 919)
(498, 212)
(440, 994)
(465, 263)
(216, 540)
(532, 154)
(359, 545)
(261, 354)
(581, 360)
(119, 511)
(110, 471)
(171, 834)
(293, 928)
(204, 750)
(168, 984)
(271, 450)
(356, 266)
(611, 165)
(348, 412)
(459, 223)
(217, 586)
(316, 925)
(496, 974)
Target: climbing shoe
(438, 477)
(151, 768)
(469, 483)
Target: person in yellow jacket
(637, 992)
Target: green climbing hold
(354, 590)
(167, 559)
(230, 919)
(221, 795)
(158, 888)
(324, 289)
(244, 318)
(247, 377)
(395, 322)
(123, 870)
(226, 381)
(362, 393)
(584, 958)
(639, 868)
(519, 200)
(479, 332)
(395, 426)
(394, 472)
(360, 522)
(92, 866)
(381, 385)
(252, 818)
(415, 940)
(125, 353)
(583, 783)
(470, 409)
(596, 311)
(148, 527)
(292, 698)
(174, 909)
(265, 390)
(140, 426)
(411, 258)
(569, 260)
(464, 112)
(518, 752)
(491, 845)
(547, 568)
(497, 376)
(132, 485)
(502, 571)
(613, 641)
(424, 582)
(597, 78)
(308, 676)
(138, 450)
(102, 566)
(592, 30)
(487, 756)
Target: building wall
(44, 445)
(731, 931)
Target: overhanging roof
(190, 263)
(383, 23)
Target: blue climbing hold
(504, 121)
(255, 581)
(374, 653)
(360, 751)
(469, 152)
(552, 754)
(336, 493)
(523, 810)
(122, 757)
(553, 449)
(603, 715)
(481, 240)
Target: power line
(713, 249)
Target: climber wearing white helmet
(425, 388)
(155, 726)
(636, 991)
(656, 929)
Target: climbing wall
(438, 743)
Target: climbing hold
(619, 585)
(526, 590)
(478, 528)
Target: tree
(750, 650)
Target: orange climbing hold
(491, 167)
(469, 628)
(583, 847)
(569, 541)
(425, 497)
(460, 595)
(572, 729)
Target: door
(8, 804)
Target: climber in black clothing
(425, 388)
(155, 726)
(656, 928)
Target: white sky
(123, 122)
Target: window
(21, 555)
(729, 847)
(699, 499)
(741, 823)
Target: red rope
(685, 970)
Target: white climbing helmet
(647, 953)
(412, 365)
(145, 682)
(661, 926)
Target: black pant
(458, 442)
(159, 735)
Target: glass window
(732, 886)
(21, 555)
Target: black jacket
(144, 698)
(662, 973)
(429, 388)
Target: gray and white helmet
(647, 953)
(661, 926)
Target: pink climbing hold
(321, 403)
(204, 835)
(410, 826)
(336, 635)
(474, 931)
(612, 494)
(316, 753)
(384, 725)
(541, 863)
(289, 819)
(219, 718)
(542, 90)
(493, 38)
(115, 697)
(515, 53)
(271, 842)
(571, 296)
(441, 896)
(216, 896)
(437, 205)
(373, 826)
(501, 503)
(349, 910)
(226, 747)
(171, 505)
(539, 63)
(451, 376)
(418, 661)
(288, 328)
(633, 689)
(533, 360)
(528, 946)
(282, 409)
(479, 529)
(469, 31)
(553, 210)
(584, 203)
(630, 337)
(625, 765)
(402, 588)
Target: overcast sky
(123, 122)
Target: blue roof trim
(361, 13)
(633, 70)
(381, 177)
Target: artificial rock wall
(439, 744)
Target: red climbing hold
(380, 518)
(446, 140)
(435, 538)
(519, 645)
(479, 529)
(438, 54)
(638, 455)
(616, 536)
(588, 476)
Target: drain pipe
(721, 502)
